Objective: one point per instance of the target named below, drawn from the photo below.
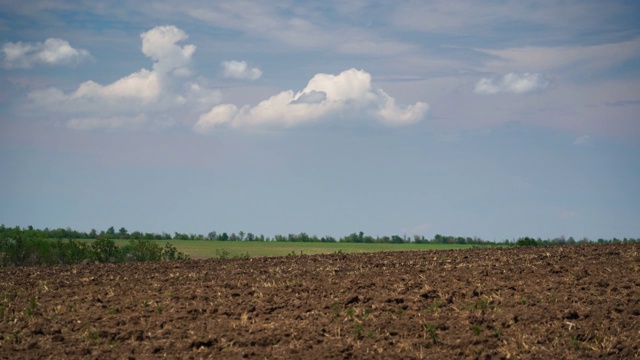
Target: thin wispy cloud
(512, 83)
(581, 140)
(574, 59)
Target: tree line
(123, 234)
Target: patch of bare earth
(550, 302)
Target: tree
(111, 231)
(526, 241)
(123, 233)
(179, 236)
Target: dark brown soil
(546, 303)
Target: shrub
(106, 250)
(19, 250)
(143, 250)
(71, 251)
(170, 253)
(526, 241)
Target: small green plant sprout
(145, 303)
(430, 331)
(222, 254)
(357, 330)
(574, 342)
(33, 304)
(17, 338)
(336, 309)
(476, 329)
(350, 313)
(371, 335)
(523, 300)
(159, 309)
(435, 306)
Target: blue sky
(496, 119)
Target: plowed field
(548, 303)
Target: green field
(204, 249)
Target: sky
(495, 119)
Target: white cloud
(512, 83)
(240, 70)
(145, 98)
(218, 115)
(583, 59)
(348, 94)
(160, 44)
(581, 140)
(143, 85)
(53, 51)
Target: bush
(170, 253)
(143, 250)
(23, 248)
(71, 251)
(24, 251)
(106, 250)
(526, 241)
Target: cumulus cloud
(240, 70)
(161, 45)
(326, 96)
(512, 83)
(53, 51)
(143, 85)
(312, 97)
(143, 98)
